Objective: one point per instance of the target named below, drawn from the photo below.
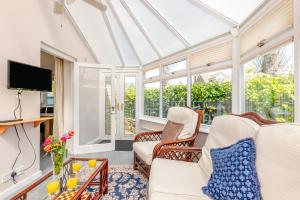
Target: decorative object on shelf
(58, 150)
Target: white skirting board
(9, 192)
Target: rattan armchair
(143, 166)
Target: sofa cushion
(171, 131)
(225, 130)
(145, 150)
(170, 179)
(234, 173)
(278, 161)
(185, 116)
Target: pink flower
(47, 142)
(63, 138)
(70, 134)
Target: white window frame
(238, 60)
(261, 52)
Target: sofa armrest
(188, 154)
(148, 136)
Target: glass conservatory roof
(137, 32)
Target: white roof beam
(77, 28)
(106, 20)
(166, 23)
(141, 28)
(124, 30)
(214, 12)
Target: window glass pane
(151, 99)
(212, 92)
(129, 105)
(178, 66)
(269, 84)
(152, 73)
(174, 93)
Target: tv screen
(27, 77)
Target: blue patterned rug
(126, 184)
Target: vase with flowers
(58, 150)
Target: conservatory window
(174, 67)
(152, 73)
(269, 84)
(151, 99)
(174, 93)
(211, 92)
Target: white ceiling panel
(162, 37)
(133, 32)
(238, 10)
(195, 23)
(93, 27)
(143, 48)
(123, 44)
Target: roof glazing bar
(106, 20)
(77, 28)
(139, 25)
(166, 23)
(214, 12)
(123, 29)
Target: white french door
(126, 105)
(94, 108)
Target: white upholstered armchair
(147, 145)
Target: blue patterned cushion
(234, 173)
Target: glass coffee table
(92, 183)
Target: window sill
(204, 127)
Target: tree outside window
(269, 84)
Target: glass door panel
(126, 106)
(89, 106)
(94, 111)
(129, 105)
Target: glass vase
(57, 161)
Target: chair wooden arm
(148, 136)
(179, 143)
(188, 154)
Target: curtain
(58, 126)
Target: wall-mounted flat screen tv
(27, 77)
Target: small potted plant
(57, 148)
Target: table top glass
(84, 178)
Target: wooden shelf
(36, 122)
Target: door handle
(113, 108)
(122, 106)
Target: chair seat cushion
(174, 180)
(145, 150)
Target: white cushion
(171, 180)
(278, 161)
(225, 130)
(185, 116)
(145, 150)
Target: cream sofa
(278, 161)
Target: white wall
(23, 26)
